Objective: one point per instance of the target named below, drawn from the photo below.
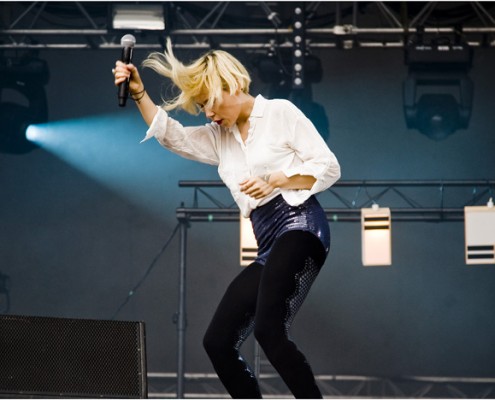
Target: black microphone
(127, 42)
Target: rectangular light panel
(376, 236)
(147, 17)
(479, 226)
(249, 246)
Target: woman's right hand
(122, 72)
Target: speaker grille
(72, 357)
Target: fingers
(127, 72)
(255, 187)
(120, 75)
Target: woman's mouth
(219, 121)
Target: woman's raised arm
(137, 91)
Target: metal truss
(413, 200)
(207, 385)
(248, 25)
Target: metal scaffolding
(207, 385)
(409, 200)
(247, 25)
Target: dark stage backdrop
(82, 219)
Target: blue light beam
(107, 149)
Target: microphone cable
(146, 274)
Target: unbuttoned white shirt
(280, 138)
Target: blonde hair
(208, 75)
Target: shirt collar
(258, 109)
(259, 106)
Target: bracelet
(142, 93)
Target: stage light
(23, 101)
(479, 227)
(273, 70)
(438, 93)
(138, 17)
(298, 49)
(248, 244)
(376, 240)
(438, 115)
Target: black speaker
(52, 357)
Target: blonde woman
(273, 161)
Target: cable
(148, 271)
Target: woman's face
(225, 111)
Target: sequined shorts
(277, 217)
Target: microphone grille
(128, 40)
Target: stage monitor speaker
(59, 357)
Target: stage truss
(409, 200)
(247, 25)
(204, 386)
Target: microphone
(127, 42)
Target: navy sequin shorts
(277, 217)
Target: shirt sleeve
(312, 156)
(198, 143)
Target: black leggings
(266, 299)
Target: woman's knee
(213, 343)
(268, 337)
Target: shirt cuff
(320, 183)
(159, 124)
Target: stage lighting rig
(22, 101)
(438, 92)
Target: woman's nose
(209, 113)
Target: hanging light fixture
(376, 236)
(248, 244)
(438, 92)
(22, 101)
(479, 227)
(146, 17)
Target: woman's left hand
(256, 187)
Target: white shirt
(280, 138)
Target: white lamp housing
(140, 17)
(376, 236)
(479, 226)
(249, 245)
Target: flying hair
(208, 75)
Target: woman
(273, 161)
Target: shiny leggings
(265, 299)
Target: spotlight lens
(32, 133)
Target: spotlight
(438, 115)
(376, 236)
(249, 246)
(138, 17)
(23, 101)
(298, 49)
(437, 92)
(479, 226)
